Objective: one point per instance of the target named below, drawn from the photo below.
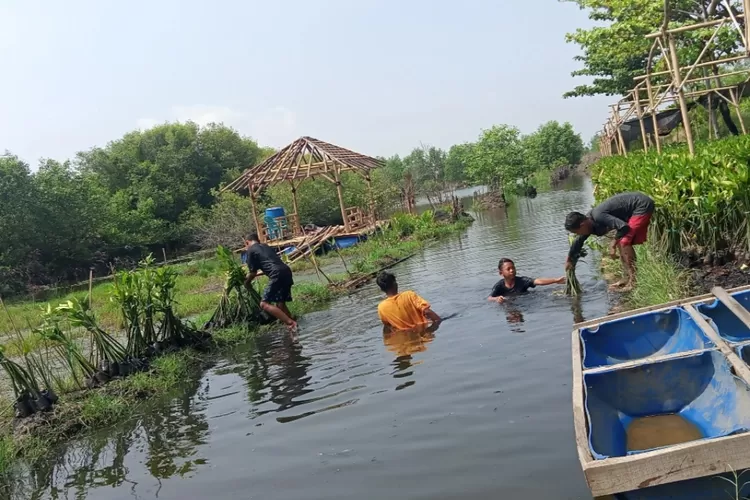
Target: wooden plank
(657, 307)
(579, 411)
(740, 368)
(734, 306)
(645, 361)
(668, 465)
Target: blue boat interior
(636, 337)
(699, 388)
(729, 326)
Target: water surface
(479, 409)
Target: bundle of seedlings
(572, 285)
(29, 398)
(173, 333)
(66, 348)
(239, 304)
(110, 354)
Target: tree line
(159, 189)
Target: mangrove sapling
(173, 332)
(238, 304)
(26, 389)
(572, 285)
(67, 349)
(127, 295)
(109, 352)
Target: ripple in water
(479, 408)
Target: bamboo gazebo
(308, 158)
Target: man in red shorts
(628, 214)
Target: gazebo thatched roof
(304, 158)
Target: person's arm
(432, 316)
(549, 281)
(249, 278)
(575, 250)
(252, 267)
(424, 306)
(496, 295)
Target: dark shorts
(638, 230)
(279, 288)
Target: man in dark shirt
(261, 257)
(512, 284)
(628, 214)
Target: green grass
(659, 278)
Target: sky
(377, 76)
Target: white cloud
(275, 126)
(146, 123)
(203, 115)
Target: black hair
(574, 220)
(253, 237)
(386, 281)
(504, 261)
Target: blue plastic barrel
(270, 218)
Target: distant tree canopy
(160, 188)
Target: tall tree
(553, 145)
(497, 157)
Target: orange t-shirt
(404, 310)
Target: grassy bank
(199, 286)
(659, 277)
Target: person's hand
(500, 299)
(568, 265)
(560, 280)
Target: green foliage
(701, 202)
(116, 201)
(553, 145)
(497, 157)
(616, 52)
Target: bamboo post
(373, 214)
(258, 228)
(297, 226)
(681, 94)
(637, 96)
(91, 285)
(735, 101)
(164, 254)
(746, 9)
(340, 192)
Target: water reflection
(515, 319)
(165, 441)
(404, 344)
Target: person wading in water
(405, 310)
(279, 289)
(629, 215)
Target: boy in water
(279, 288)
(512, 284)
(402, 311)
(629, 214)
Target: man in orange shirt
(402, 311)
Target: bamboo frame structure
(306, 158)
(676, 80)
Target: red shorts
(638, 230)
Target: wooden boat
(682, 364)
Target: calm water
(479, 410)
